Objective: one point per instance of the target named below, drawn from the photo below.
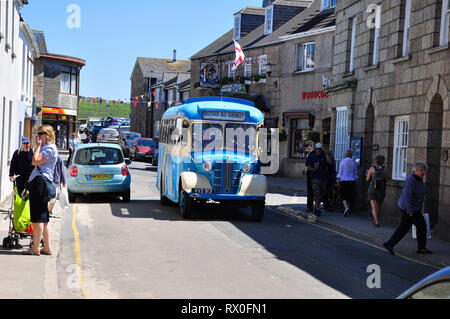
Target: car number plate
(100, 177)
(203, 191)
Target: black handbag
(50, 188)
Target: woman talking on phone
(44, 159)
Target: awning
(259, 100)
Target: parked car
(99, 169)
(108, 135)
(124, 127)
(126, 140)
(152, 156)
(82, 126)
(96, 128)
(140, 147)
(436, 286)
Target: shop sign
(209, 75)
(314, 95)
(224, 116)
(56, 110)
(233, 88)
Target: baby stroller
(20, 226)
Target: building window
(299, 131)
(268, 23)
(69, 80)
(445, 17)
(374, 45)
(7, 22)
(237, 27)
(401, 131)
(406, 27)
(262, 65)
(326, 4)
(342, 142)
(352, 44)
(305, 57)
(248, 68)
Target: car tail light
(74, 171)
(124, 170)
(103, 135)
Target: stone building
(148, 73)
(288, 57)
(56, 91)
(390, 89)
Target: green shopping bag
(22, 214)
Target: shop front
(63, 122)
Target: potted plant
(314, 136)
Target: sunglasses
(41, 133)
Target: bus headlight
(246, 168)
(207, 167)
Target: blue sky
(114, 33)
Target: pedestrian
(317, 163)
(376, 177)
(332, 175)
(74, 142)
(21, 165)
(310, 194)
(44, 159)
(347, 176)
(59, 180)
(410, 205)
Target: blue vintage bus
(208, 150)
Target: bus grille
(227, 178)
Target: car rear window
(109, 131)
(99, 156)
(146, 143)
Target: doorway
(434, 148)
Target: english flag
(239, 55)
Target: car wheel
(126, 196)
(72, 197)
(258, 207)
(185, 204)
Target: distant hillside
(87, 110)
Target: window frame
(445, 21)
(73, 72)
(268, 29)
(352, 44)
(342, 138)
(400, 149)
(247, 68)
(262, 61)
(406, 28)
(376, 46)
(301, 56)
(328, 4)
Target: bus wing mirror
(185, 124)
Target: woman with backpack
(376, 178)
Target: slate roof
(309, 19)
(153, 67)
(40, 40)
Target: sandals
(29, 252)
(45, 253)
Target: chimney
(174, 56)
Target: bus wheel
(185, 205)
(258, 207)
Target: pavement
(357, 224)
(29, 277)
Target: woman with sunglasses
(44, 159)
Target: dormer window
(237, 27)
(327, 4)
(268, 23)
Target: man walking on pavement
(318, 165)
(21, 165)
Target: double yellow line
(77, 251)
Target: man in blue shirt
(317, 164)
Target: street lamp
(269, 69)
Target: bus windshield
(237, 137)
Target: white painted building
(17, 51)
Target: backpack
(379, 179)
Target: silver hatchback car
(108, 135)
